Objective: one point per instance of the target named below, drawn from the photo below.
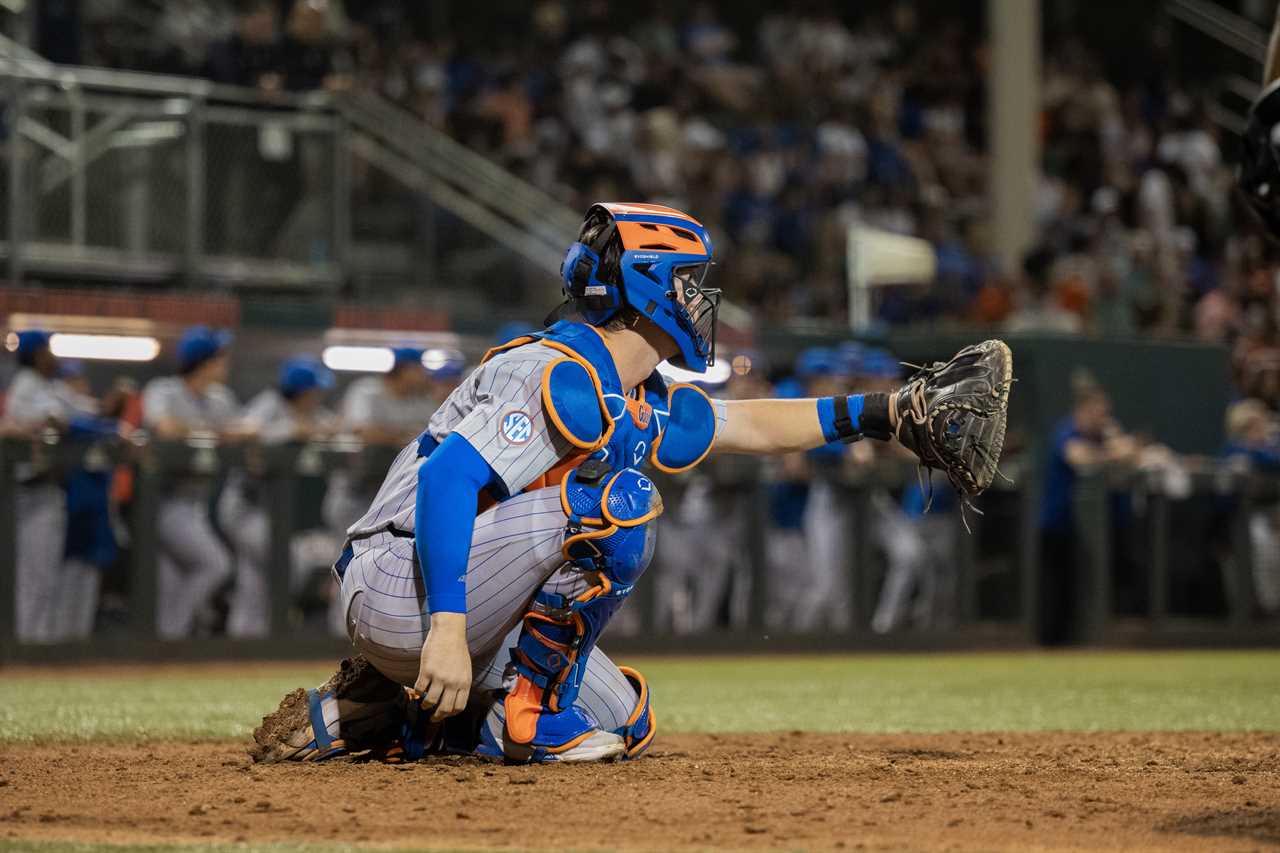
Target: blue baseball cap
(849, 356)
(879, 363)
(816, 361)
(198, 344)
(30, 342)
(302, 374)
(404, 355)
(788, 389)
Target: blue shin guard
(610, 540)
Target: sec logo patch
(516, 428)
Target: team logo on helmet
(516, 427)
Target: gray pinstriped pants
(515, 551)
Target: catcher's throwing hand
(952, 415)
(444, 672)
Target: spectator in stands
(251, 55)
(1040, 310)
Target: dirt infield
(1185, 791)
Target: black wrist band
(845, 429)
(875, 417)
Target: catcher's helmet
(1259, 174)
(654, 259)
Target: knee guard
(610, 539)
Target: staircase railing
(1238, 35)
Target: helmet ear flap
(578, 269)
(587, 294)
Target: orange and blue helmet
(665, 258)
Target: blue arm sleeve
(449, 483)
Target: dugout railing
(289, 478)
(1184, 542)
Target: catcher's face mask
(665, 259)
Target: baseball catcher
(506, 536)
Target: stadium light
(358, 359)
(104, 347)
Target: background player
(38, 399)
(293, 411)
(388, 409)
(193, 562)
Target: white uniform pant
(41, 521)
(695, 567)
(193, 564)
(826, 598)
(1264, 537)
(78, 599)
(921, 556)
(515, 551)
(787, 562)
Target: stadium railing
(150, 177)
(1189, 545)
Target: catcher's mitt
(952, 415)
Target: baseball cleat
(356, 709)
(597, 745)
(593, 744)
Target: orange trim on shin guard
(523, 705)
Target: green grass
(1085, 691)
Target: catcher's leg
(516, 546)
(610, 543)
(616, 698)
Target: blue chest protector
(609, 503)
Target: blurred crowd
(784, 125)
(798, 524)
(782, 129)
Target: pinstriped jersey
(498, 409)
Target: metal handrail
(1232, 30)
(500, 190)
(20, 67)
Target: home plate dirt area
(786, 790)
